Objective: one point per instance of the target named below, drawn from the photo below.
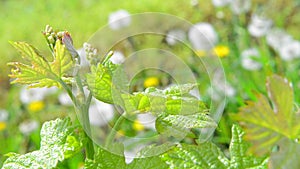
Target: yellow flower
(138, 126)
(2, 126)
(200, 53)
(151, 82)
(36, 106)
(221, 51)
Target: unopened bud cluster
(91, 53)
(52, 36)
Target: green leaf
(238, 152)
(208, 155)
(153, 162)
(180, 125)
(105, 159)
(62, 61)
(107, 83)
(287, 156)
(100, 82)
(39, 72)
(175, 108)
(199, 120)
(58, 142)
(264, 123)
(168, 101)
(204, 156)
(179, 90)
(154, 149)
(148, 157)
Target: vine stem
(114, 130)
(84, 112)
(83, 109)
(69, 91)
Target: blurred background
(253, 39)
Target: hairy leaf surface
(104, 159)
(208, 155)
(58, 142)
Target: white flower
(147, 120)
(228, 90)
(129, 156)
(259, 26)
(3, 115)
(276, 38)
(194, 2)
(132, 153)
(100, 113)
(283, 43)
(290, 51)
(220, 15)
(28, 95)
(220, 3)
(240, 6)
(83, 60)
(117, 57)
(174, 35)
(65, 99)
(248, 59)
(220, 86)
(203, 36)
(28, 127)
(119, 19)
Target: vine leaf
(287, 156)
(39, 72)
(208, 155)
(173, 100)
(238, 152)
(105, 159)
(100, 81)
(153, 162)
(180, 126)
(264, 123)
(199, 120)
(176, 109)
(58, 142)
(108, 84)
